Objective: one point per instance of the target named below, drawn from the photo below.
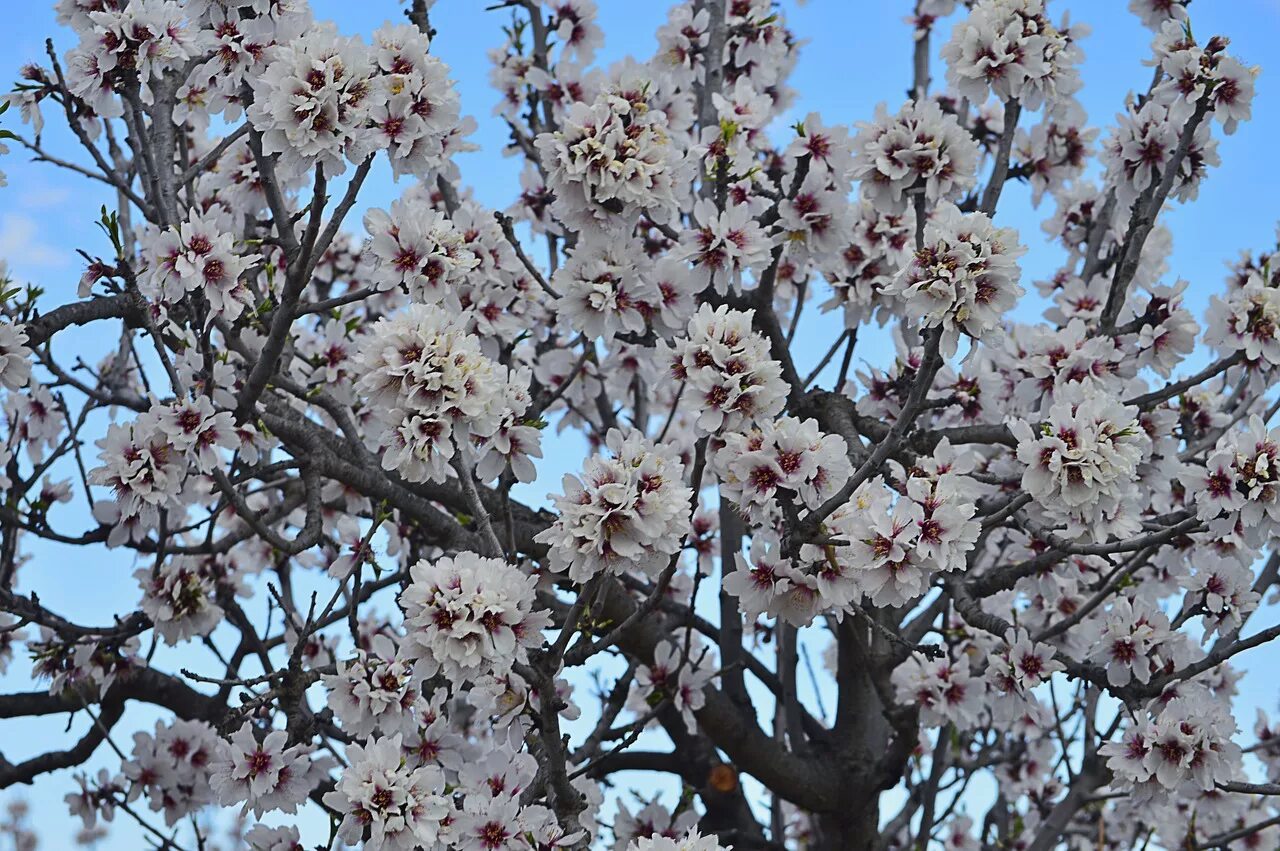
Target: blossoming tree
(1034, 550)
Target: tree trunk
(858, 829)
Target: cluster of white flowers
(724, 245)
(373, 692)
(1142, 146)
(469, 616)
(15, 357)
(1010, 48)
(964, 278)
(515, 440)
(815, 222)
(263, 838)
(1136, 641)
(1047, 364)
(417, 112)
(499, 296)
(145, 38)
(264, 774)
(324, 98)
(1020, 664)
(387, 803)
(879, 246)
(920, 149)
(1082, 464)
(1193, 72)
(674, 676)
(625, 513)
(430, 390)
(728, 371)
(418, 248)
(197, 256)
(652, 820)
(312, 102)
(610, 160)
(180, 597)
(173, 768)
(758, 465)
(1154, 13)
(769, 584)
(945, 691)
(1054, 152)
(87, 665)
(1220, 590)
(603, 290)
(1247, 320)
(1186, 746)
(1168, 332)
(1240, 483)
(691, 841)
(146, 462)
(886, 547)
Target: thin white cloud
(22, 247)
(43, 196)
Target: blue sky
(856, 54)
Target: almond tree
(1033, 550)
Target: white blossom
(398, 807)
(624, 513)
(469, 616)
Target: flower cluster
(373, 692)
(769, 584)
(1082, 464)
(1009, 48)
(417, 114)
(625, 513)
(87, 665)
(430, 389)
(724, 245)
(945, 691)
(602, 288)
(652, 820)
(886, 547)
(1137, 641)
(386, 802)
(197, 256)
(468, 616)
(919, 149)
(1247, 321)
(180, 597)
(674, 676)
(1194, 73)
(691, 841)
(264, 774)
(324, 98)
(610, 160)
(145, 39)
(418, 248)
(727, 370)
(312, 102)
(174, 768)
(964, 278)
(15, 357)
(783, 459)
(145, 462)
(878, 248)
(1240, 482)
(1020, 664)
(1142, 146)
(1186, 746)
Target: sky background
(855, 54)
